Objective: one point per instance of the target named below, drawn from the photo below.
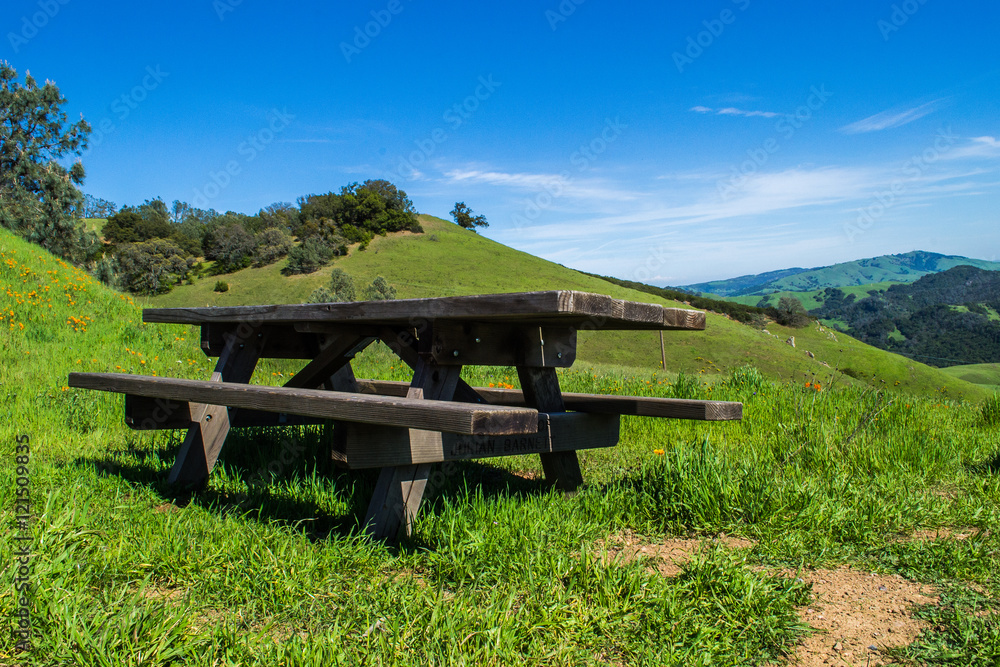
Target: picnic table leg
(400, 489)
(210, 423)
(541, 391)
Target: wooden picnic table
(404, 428)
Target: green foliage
(379, 290)
(39, 198)
(308, 257)
(990, 411)
(790, 313)
(342, 286)
(221, 286)
(273, 243)
(105, 272)
(151, 267)
(357, 213)
(747, 378)
(233, 248)
(463, 217)
(930, 319)
(320, 295)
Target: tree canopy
(464, 218)
(38, 195)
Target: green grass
(447, 260)
(500, 570)
(987, 375)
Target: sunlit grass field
(501, 570)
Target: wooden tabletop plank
(569, 308)
(450, 417)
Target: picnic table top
(556, 307)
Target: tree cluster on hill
(324, 224)
(926, 319)
(356, 214)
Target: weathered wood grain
(409, 412)
(642, 406)
(581, 310)
(371, 446)
(541, 391)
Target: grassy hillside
(905, 268)
(126, 570)
(808, 298)
(447, 260)
(987, 375)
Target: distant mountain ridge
(904, 268)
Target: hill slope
(904, 268)
(447, 260)
(946, 318)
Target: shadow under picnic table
(280, 470)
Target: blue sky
(653, 142)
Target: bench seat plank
(642, 406)
(446, 416)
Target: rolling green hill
(809, 299)
(986, 375)
(447, 260)
(902, 268)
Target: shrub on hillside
(791, 312)
(342, 286)
(272, 244)
(379, 290)
(232, 249)
(308, 257)
(221, 286)
(152, 267)
(320, 295)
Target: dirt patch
(942, 533)
(858, 615)
(669, 555)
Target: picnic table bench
(403, 428)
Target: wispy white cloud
(562, 185)
(733, 111)
(891, 118)
(978, 147)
